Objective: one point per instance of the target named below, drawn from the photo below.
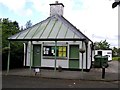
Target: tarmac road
(37, 82)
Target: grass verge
(116, 58)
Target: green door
(36, 55)
(74, 56)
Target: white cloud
(43, 5)
(90, 16)
(96, 17)
(29, 12)
(13, 5)
(17, 6)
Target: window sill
(47, 57)
(73, 58)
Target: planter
(59, 68)
(82, 51)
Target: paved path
(93, 74)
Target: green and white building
(55, 42)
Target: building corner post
(8, 62)
(82, 58)
(31, 56)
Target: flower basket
(59, 68)
(82, 50)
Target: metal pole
(82, 62)
(103, 72)
(8, 63)
(55, 53)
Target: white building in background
(104, 53)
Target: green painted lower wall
(74, 64)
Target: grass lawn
(116, 58)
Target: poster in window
(44, 50)
(60, 48)
(60, 54)
(52, 50)
(64, 48)
(64, 54)
(47, 49)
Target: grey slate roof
(53, 28)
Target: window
(61, 51)
(100, 53)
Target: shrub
(116, 58)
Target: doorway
(36, 55)
(99, 53)
(74, 56)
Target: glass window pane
(64, 54)
(60, 54)
(64, 48)
(60, 48)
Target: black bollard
(103, 72)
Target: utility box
(104, 61)
(103, 53)
(100, 61)
(97, 61)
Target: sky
(95, 18)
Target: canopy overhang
(54, 28)
(52, 39)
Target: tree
(10, 28)
(118, 52)
(28, 24)
(116, 3)
(114, 51)
(102, 45)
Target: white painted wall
(47, 63)
(51, 63)
(28, 55)
(63, 63)
(89, 55)
(93, 54)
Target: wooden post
(24, 53)
(8, 62)
(82, 59)
(103, 72)
(31, 55)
